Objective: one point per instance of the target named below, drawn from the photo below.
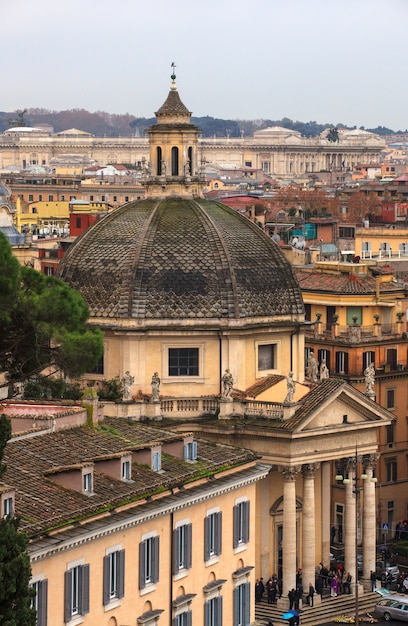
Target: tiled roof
(42, 503)
(341, 283)
(173, 106)
(261, 385)
(180, 258)
(318, 395)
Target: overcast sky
(328, 61)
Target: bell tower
(174, 167)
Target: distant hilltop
(102, 124)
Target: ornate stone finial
(173, 76)
(155, 387)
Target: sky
(329, 61)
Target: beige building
(277, 151)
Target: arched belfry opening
(173, 167)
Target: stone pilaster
(308, 525)
(289, 529)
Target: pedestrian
(319, 586)
(324, 574)
(271, 591)
(291, 596)
(334, 587)
(261, 581)
(298, 596)
(258, 591)
(310, 595)
(373, 579)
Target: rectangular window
(346, 232)
(149, 561)
(40, 600)
(126, 473)
(78, 222)
(183, 362)
(266, 167)
(50, 198)
(212, 535)
(390, 431)
(213, 612)
(368, 358)
(354, 315)
(88, 482)
(242, 605)
(390, 398)
(391, 465)
(113, 576)
(30, 197)
(403, 248)
(156, 461)
(342, 362)
(7, 507)
(40, 197)
(324, 355)
(248, 163)
(267, 357)
(76, 592)
(182, 543)
(190, 451)
(241, 523)
(99, 367)
(91, 198)
(183, 619)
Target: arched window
(174, 161)
(159, 160)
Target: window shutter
(218, 534)
(206, 538)
(176, 548)
(247, 603)
(142, 573)
(246, 521)
(185, 452)
(235, 538)
(188, 545)
(156, 558)
(189, 618)
(218, 610)
(67, 596)
(236, 607)
(106, 580)
(346, 356)
(207, 614)
(194, 451)
(84, 608)
(42, 603)
(121, 573)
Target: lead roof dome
(177, 258)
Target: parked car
(393, 607)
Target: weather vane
(173, 76)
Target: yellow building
(358, 319)
(132, 524)
(382, 243)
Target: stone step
(325, 611)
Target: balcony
(355, 333)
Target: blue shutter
(84, 586)
(106, 580)
(194, 451)
(185, 451)
(206, 538)
(176, 547)
(207, 614)
(42, 603)
(155, 558)
(121, 573)
(236, 598)
(142, 573)
(235, 533)
(218, 533)
(247, 603)
(245, 533)
(67, 596)
(218, 611)
(189, 618)
(188, 545)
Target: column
(308, 525)
(350, 529)
(289, 530)
(369, 520)
(326, 506)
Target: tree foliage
(15, 570)
(44, 324)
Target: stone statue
(291, 387)
(369, 374)
(127, 382)
(311, 368)
(227, 383)
(324, 370)
(163, 167)
(155, 387)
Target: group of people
(273, 589)
(337, 580)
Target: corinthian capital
(310, 469)
(290, 473)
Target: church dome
(179, 258)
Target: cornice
(143, 513)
